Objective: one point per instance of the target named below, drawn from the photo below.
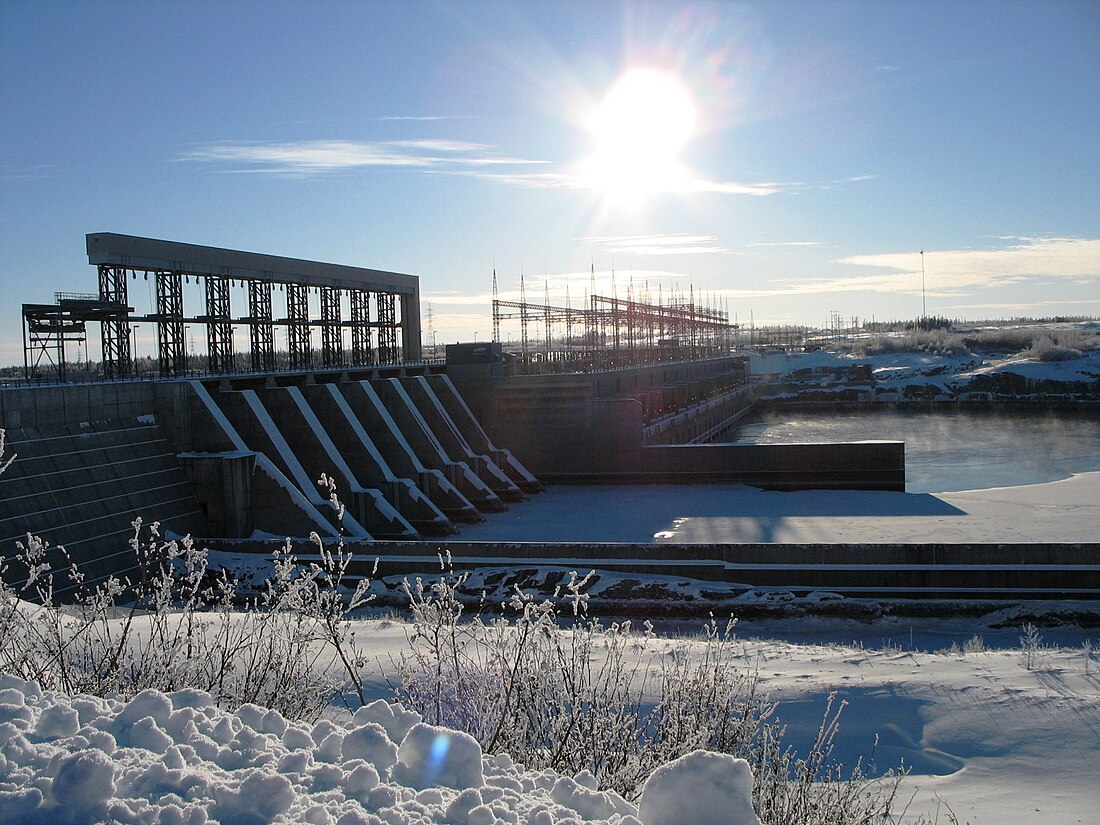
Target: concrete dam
(415, 449)
(239, 458)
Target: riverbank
(950, 375)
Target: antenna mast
(496, 307)
(923, 301)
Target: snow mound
(702, 788)
(178, 759)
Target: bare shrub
(4, 463)
(975, 644)
(936, 341)
(1031, 643)
(570, 695)
(289, 648)
(1044, 349)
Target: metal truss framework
(388, 353)
(260, 326)
(219, 326)
(115, 331)
(47, 327)
(617, 332)
(332, 335)
(171, 347)
(361, 352)
(298, 343)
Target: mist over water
(950, 449)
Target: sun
(639, 130)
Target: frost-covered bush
(1044, 349)
(174, 627)
(4, 462)
(936, 341)
(574, 696)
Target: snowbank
(702, 788)
(177, 759)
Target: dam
(416, 449)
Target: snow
(1061, 511)
(951, 372)
(984, 735)
(431, 757)
(702, 788)
(176, 758)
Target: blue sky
(828, 144)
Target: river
(949, 449)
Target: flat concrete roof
(149, 254)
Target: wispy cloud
(676, 244)
(958, 272)
(421, 118)
(787, 243)
(767, 187)
(449, 157)
(735, 188)
(319, 156)
(10, 171)
(571, 180)
(1027, 258)
(1028, 307)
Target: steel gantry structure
(171, 264)
(612, 331)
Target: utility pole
(923, 301)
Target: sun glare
(639, 129)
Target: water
(950, 449)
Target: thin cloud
(1027, 307)
(440, 145)
(420, 118)
(676, 244)
(569, 180)
(447, 157)
(1061, 258)
(767, 187)
(319, 156)
(735, 188)
(787, 243)
(37, 171)
(1070, 262)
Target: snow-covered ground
(1064, 511)
(950, 372)
(986, 738)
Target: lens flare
(441, 745)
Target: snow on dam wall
(682, 574)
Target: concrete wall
(82, 487)
(942, 571)
(556, 424)
(864, 465)
(53, 405)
